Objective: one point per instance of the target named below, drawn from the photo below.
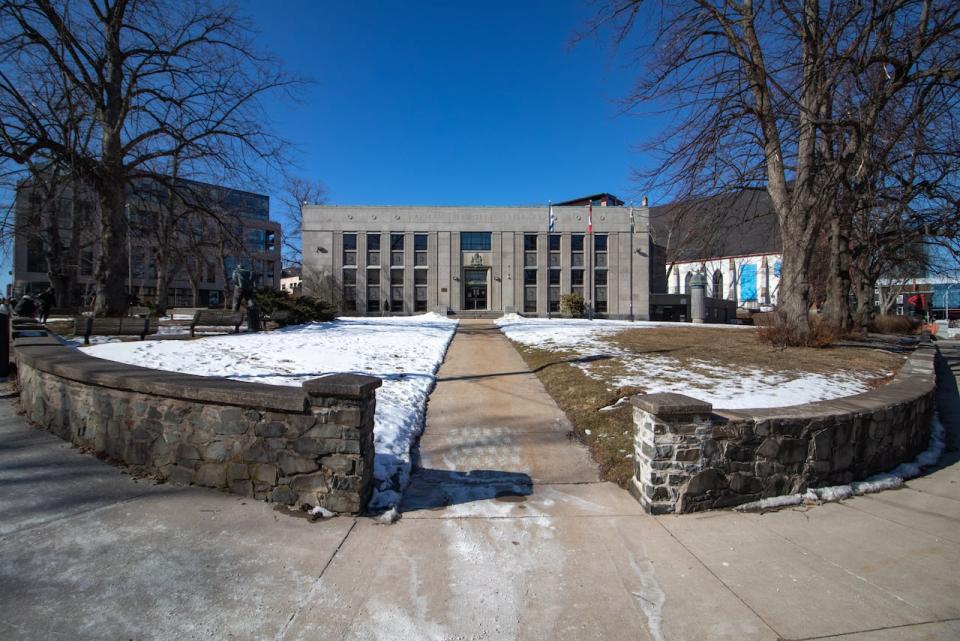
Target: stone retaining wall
(689, 458)
(311, 445)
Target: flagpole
(590, 260)
(631, 263)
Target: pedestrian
(46, 300)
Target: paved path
(508, 535)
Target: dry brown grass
(739, 348)
(610, 437)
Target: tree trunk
(111, 267)
(793, 302)
(837, 308)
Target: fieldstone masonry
(688, 458)
(311, 446)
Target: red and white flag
(590, 218)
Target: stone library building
(396, 260)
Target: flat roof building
(372, 260)
(230, 226)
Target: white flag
(552, 221)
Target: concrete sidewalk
(530, 546)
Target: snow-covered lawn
(404, 352)
(725, 385)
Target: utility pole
(631, 262)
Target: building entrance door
(474, 289)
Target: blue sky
(452, 102)
(441, 103)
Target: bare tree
(138, 65)
(298, 193)
(760, 97)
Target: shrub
(891, 324)
(778, 333)
(303, 309)
(764, 319)
(572, 305)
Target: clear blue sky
(452, 102)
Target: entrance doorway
(474, 289)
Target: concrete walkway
(508, 534)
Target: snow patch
(405, 352)
(724, 387)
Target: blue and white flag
(551, 220)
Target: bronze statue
(243, 293)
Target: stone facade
(689, 458)
(373, 260)
(263, 444)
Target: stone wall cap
(670, 403)
(73, 364)
(342, 385)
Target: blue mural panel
(777, 266)
(748, 283)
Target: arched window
(686, 282)
(717, 291)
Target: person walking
(46, 300)
(5, 307)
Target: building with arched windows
(732, 238)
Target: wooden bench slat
(217, 318)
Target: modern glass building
(373, 260)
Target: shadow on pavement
(431, 489)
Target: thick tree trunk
(837, 307)
(110, 274)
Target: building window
(530, 250)
(35, 258)
(420, 250)
(373, 290)
(576, 281)
(420, 290)
(349, 249)
(554, 240)
(350, 288)
(475, 241)
(553, 293)
(718, 284)
(373, 249)
(396, 249)
(530, 290)
(600, 291)
(576, 250)
(396, 290)
(600, 250)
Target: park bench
(216, 318)
(125, 326)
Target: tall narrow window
(396, 290)
(600, 291)
(530, 250)
(396, 250)
(600, 250)
(373, 290)
(349, 249)
(420, 250)
(350, 289)
(553, 293)
(576, 264)
(554, 244)
(420, 290)
(373, 250)
(529, 290)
